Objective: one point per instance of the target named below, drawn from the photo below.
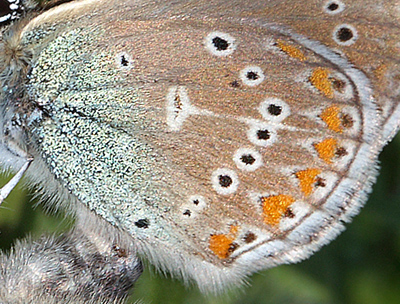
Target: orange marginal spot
(291, 50)
(331, 117)
(221, 244)
(274, 207)
(326, 149)
(320, 80)
(307, 178)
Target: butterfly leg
(93, 263)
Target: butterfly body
(222, 138)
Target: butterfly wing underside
(225, 139)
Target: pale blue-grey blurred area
(361, 266)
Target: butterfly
(220, 138)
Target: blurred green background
(361, 266)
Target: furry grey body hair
(90, 264)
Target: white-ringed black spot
(224, 181)
(142, 223)
(220, 44)
(247, 159)
(123, 61)
(252, 76)
(263, 134)
(274, 109)
(198, 201)
(334, 7)
(194, 205)
(345, 34)
(187, 213)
